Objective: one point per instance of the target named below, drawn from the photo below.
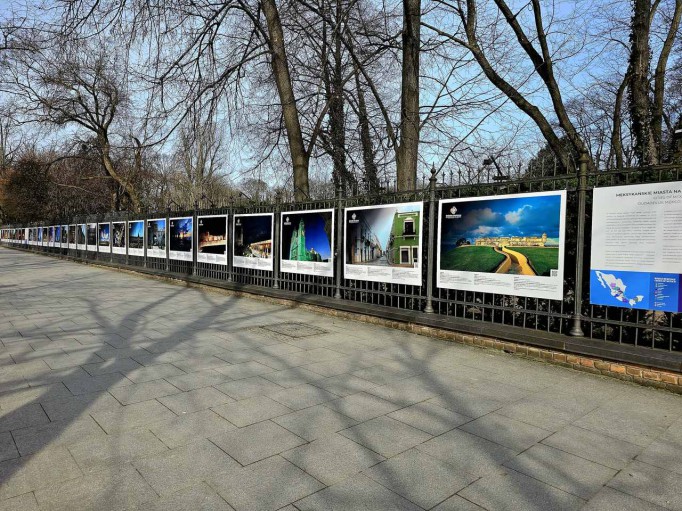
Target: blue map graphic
(635, 290)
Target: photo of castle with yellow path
(518, 236)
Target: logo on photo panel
(453, 213)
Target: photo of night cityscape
(50, 235)
(104, 237)
(72, 234)
(212, 235)
(156, 234)
(136, 234)
(118, 238)
(253, 236)
(92, 235)
(181, 234)
(58, 234)
(307, 236)
(64, 231)
(81, 234)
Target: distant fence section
(509, 255)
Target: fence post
(167, 239)
(339, 240)
(429, 260)
(577, 329)
(195, 238)
(275, 243)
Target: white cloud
(513, 217)
(484, 230)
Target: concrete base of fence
(628, 363)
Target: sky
(380, 219)
(522, 216)
(181, 225)
(256, 228)
(136, 229)
(315, 235)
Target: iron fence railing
(648, 329)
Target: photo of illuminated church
(307, 236)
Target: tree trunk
(659, 78)
(371, 172)
(408, 150)
(108, 164)
(616, 133)
(280, 70)
(640, 105)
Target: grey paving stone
(108, 490)
(248, 387)
(256, 442)
(8, 449)
(113, 365)
(146, 358)
(70, 360)
(25, 502)
(344, 384)
(86, 385)
(132, 416)
(663, 453)
(332, 458)
(539, 414)
(405, 392)
(634, 428)
(292, 377)
(430, 417)
(249, 411)
(303, 396)
(420, 478)
(386, 436)
(266, 486)
(382, 375)
(339, 366)
(190, 427)
(466, 452)
(593, 446)
(314, 422)
(80, 405)
(505, 431)
(358, 492)
(21, 397)
(509, 490)
(609, 499)
(562, 470)
(36, 438)
(469, 402)
(43, 469)
(457, 503)
(97, 453)
(24, 416)
(195, 400)
(197, 380)
(362, 406)
(244, 370)
(198, 363)
(199, 497)
(138, 392)
(154, 372)
(649, 483)
(173, 470)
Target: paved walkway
(119, 392)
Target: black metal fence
(659, 331)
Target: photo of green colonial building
(384, 236)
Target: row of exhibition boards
(510, 244)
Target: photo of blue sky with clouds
(514, 216)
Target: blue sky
(380, 219)
(136, 229)
(315, 235)
(522, 216)
(181, 225)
